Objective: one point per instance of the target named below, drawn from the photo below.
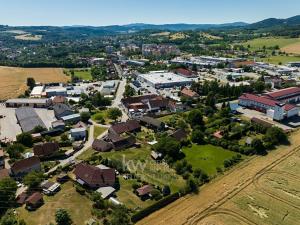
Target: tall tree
(30, 82)
(62, 217)
(8, 188)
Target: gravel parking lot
(9, 127)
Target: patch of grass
(83, 74)
(127, 197)
(77, 205)
(86, 154)
(141, 164)
(281, 59)
(258, 43)
(207, 157)
(98, 131)
(101, 114)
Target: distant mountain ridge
(81, 30)
(271, 22)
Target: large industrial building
(287, 95)
(28, 119)
(161, 79)
(28, 102)
(274, 109)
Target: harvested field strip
(192, 209)
(13, 79)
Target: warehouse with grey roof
(28, 119)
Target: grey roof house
(62, 110)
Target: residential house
(4, 173)
(188, 93)
(152, 123)
(50, 188)
(45, 149)
(78, 133)
(62, 110)
(137, 106)
(120, 141)
(93, 176)
(25, 166)
(101, 146)
(180, 135)
(58, 124)
(59, 100)
(21, 198)
(131, 126)
(34, 201)
(218, 134)
(144, 192)
(71, 119)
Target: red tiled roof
(244, 63)
(146, 189)
(265, 101)
(218, 134)
(284, 92)
(59, 99)
(137, 99)
(129, 126)
(21, 198)
(21, 165)
(4, 173)
(184, 72)
(189, 93)
(34, 198)
(94, 176)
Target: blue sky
(108, 12)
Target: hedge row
(156, 206)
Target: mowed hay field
(261, 190)
(258, 43)
(13, 79)
(292, 48)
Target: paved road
(87, 145)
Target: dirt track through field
(193, 209)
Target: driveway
(87, 146)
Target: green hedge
(156, 206)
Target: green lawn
(99, 114)
(77, 205)
(258, 43)
(98, 131)
(84, 74)
(281, 59)
(127, 197)
(141, 163)
(207, 157)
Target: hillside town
(150, 124)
